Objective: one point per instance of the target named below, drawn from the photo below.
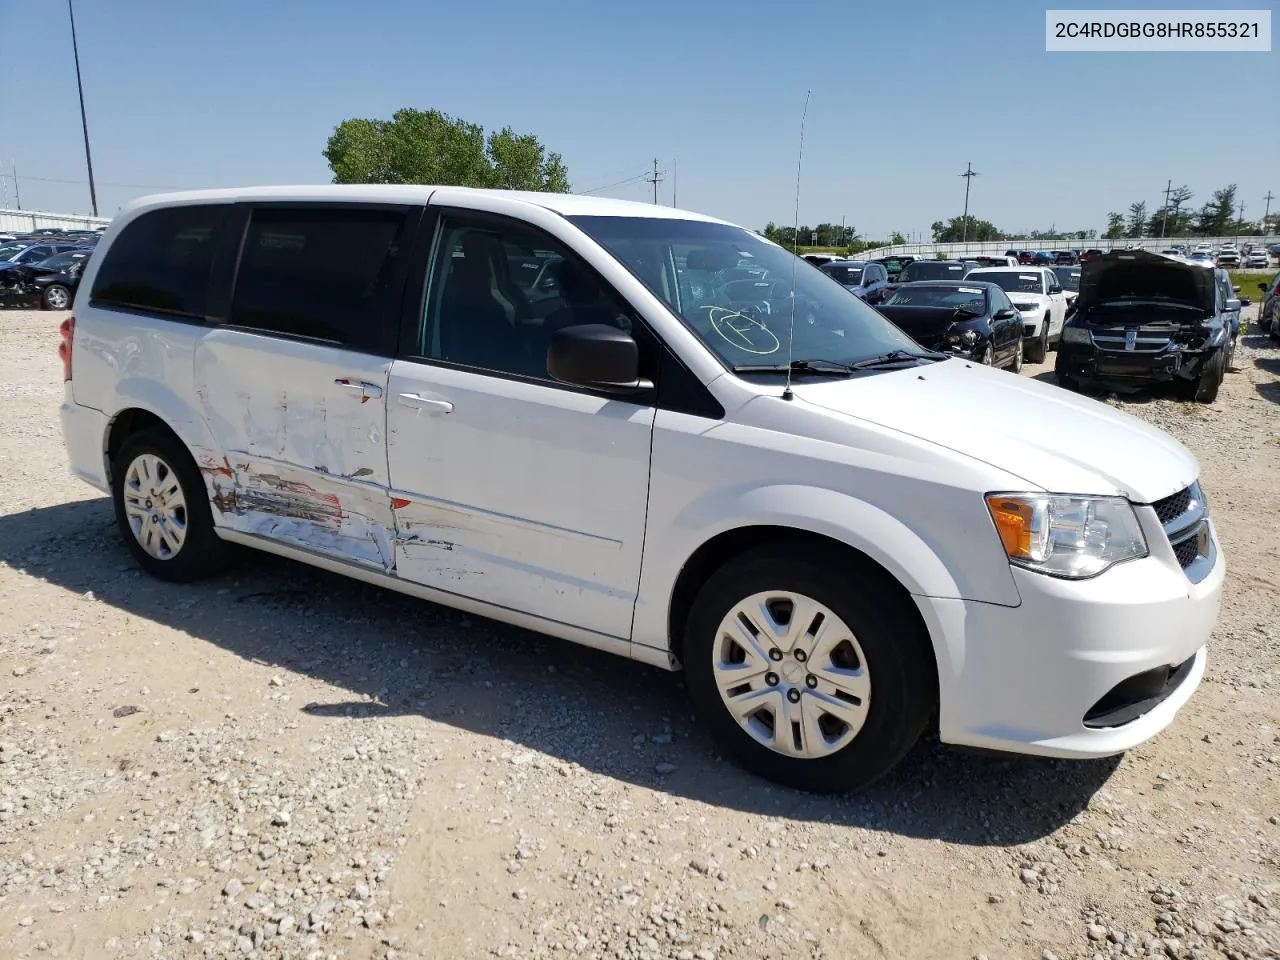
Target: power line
(620, 183)
(106, 183)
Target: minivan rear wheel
(162, 508)
(806, 669)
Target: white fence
(16, 221)
(998, 247)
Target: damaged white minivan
(654, 433)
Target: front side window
(320, 273)
(161, 262)
(745, 322)
(499, 289)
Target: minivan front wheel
(807, 669)
(162, 508)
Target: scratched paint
(295, 456)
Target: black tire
(898, 659)
(1036, 351)
(988, 356)
(201, 553)
(1015, 365)
(1068, 383)
(1204, 389)
(52, 293)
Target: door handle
(419, 402)
(363, 388)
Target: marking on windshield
(742, 331)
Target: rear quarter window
(161, 261)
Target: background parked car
(864, 279)
(1040, 300)
(1269, 308)
(56, 280)
(1143, 318)
(973, 320)
(1256, 259)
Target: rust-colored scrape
(210, 466)
(224, 500)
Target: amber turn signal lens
(1013, 519)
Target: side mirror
(1232, 304)
(595, 355)
(1005, 313)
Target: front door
(508, 487)
(293, 386)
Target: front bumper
(1081, 668)
(1087, 361)
(1032, 321)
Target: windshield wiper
(895, 356)
(817, 367)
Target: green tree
(1216, 216)
(417, 146)
(953, 230)
(896, 237)
(1137, 219)
(1115, 226)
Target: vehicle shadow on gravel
(400, 656)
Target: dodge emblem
(1130, 339)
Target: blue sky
(235, 92)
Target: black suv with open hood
(1146, 318)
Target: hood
(925, 325)
(1054, 439)
(1126, 274)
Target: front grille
(1173, 506)
(1186, 552)
(1185, 519)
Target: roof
(566, 204)
(1022, 269)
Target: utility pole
(17, 193)
(655, 179)
(675, 180)
(968, 178)
(84, 123)
(1265, 216)
(1164, 219)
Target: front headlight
(1068, 537)
(1028, 307)
(1076, 335)
(966, 339)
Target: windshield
(1011, 282)
(932, 270)
(1069, 278)
(11, 251)
(969, 299)
(745, 322)
(841, 273)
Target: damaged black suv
(1145, 318)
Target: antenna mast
(791, 334)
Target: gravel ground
(284, 763)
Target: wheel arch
(713, 553)
(157, 406)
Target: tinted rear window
(321, 274)
(161, 261)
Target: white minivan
(654, 433)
